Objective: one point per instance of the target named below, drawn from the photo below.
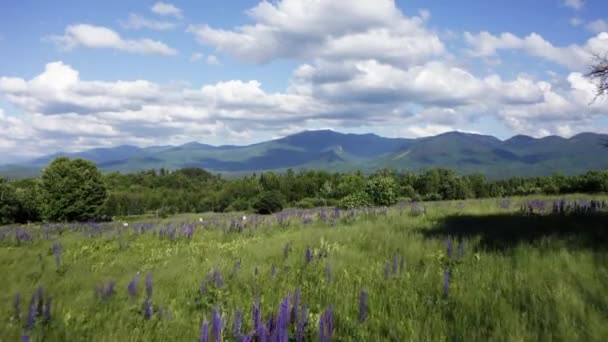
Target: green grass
(511, 285)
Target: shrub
(356, 200)
(381, 190)
(269, 202)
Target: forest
(74, 190)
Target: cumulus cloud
(574, 56)
(598, 26)
(166, 9)
(574, 4)
(137, 22)
(332, 30)
(99, 37)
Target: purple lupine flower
(302, 324)
(446, 283)
(149, 285)
(307, 219)
(247, 338)
(328, 273)
(322, 336)
(330, 322)
(363, 306)
(25, 338)
(256, 315)
(148, 310)
(238, 324)
(57, 253)
(132, 288)
(46, 313)
(262, 333)
(31, 314)
(217, 325)
(204, 332)
(217, 275)
(308, 254)
(109, 290)
(296, 304)
(283, 320)
(448, 247)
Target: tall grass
(549, 286)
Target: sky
(79, 74)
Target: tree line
(75, 190)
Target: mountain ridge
(330, 150)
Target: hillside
(329, 150)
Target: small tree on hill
(71, 190)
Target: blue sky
(82, 74)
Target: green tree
(9, 206)
(71, 190)
(269, 202)
(381, 190)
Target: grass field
(463, 271)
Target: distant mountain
(329, 150)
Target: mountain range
(329, 150)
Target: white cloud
(574, 4)
(213, 60)
(84, 35)
(575, 57)
(196, 56)
(164, 8)
(576, 21)
(333, 30)
(138, 22)
(598, 26)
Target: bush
(356, 200)
(382, 190)
(269, 202)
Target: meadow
(513, 269)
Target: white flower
(244, 218)
(125, 224)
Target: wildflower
(132, 288)
(363, 306)
(148, 310)
(204, 332)
(217, 325)
(238, 322)
(256, 314)
(308, 254)
(57, 252)
(31, 314)
(283, 320)
(296, 304)
(326, 325)
(302, 324)
(25, 338)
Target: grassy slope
(552, 288)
